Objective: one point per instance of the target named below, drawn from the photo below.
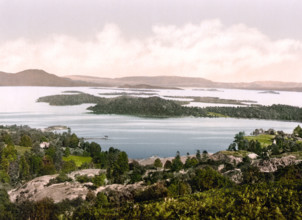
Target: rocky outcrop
(274, 164)
(37, 188)
(234, 175)
(219, 156)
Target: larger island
(159, 107)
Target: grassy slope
(79, 160)
(264, 139)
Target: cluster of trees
(146, 107)
(273, 112)
(281, 143)
(36, 161)
(74, 99)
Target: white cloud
(210, 50)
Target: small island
(270, 92)
(215, 100)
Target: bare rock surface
(273, 164)
(37, 188)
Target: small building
(44, 145)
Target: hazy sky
(222, 40)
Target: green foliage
(44, 209)
(168, 164)
(79, 160)
(99, 180)
(23, 168)
(179, 188)
(158, 163)
(120, 167)
(263, 139)
(26, 141)
(83, 179)
(68, 166)
(136, 171)
(298, 131)
(153, 192)
(191, 162)
(273, 112)
(4, 177)
(67, 152)
(61, 178)
(48, 167)
(22, 150)
(146, 107)
(208, 178)
(177, 165)
(75, 99)
(101, 200)
(264, 201)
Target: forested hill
(158, 107)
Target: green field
(264, 139)
(79, 160)
(21, 150)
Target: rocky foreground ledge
(39, 188)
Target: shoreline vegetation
(164, 108)
(257, 177)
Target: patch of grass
(21, 150)
(264, 139)
(239, 153)
(79, 160)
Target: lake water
(140, 137)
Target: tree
(44, 209)
(68, 166)
(298, 131)
(208, 178)
(120, 167)
(177, 165)
(74, 141)
(204, 155)
(158, 163)
(4, 177)
(101, 200)
(99, 180)
(190, 162)
(67, 152)
(198, 156)
(168, 165)
(26, 141)
(23, 168)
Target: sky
(221, 40)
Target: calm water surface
(139, 137)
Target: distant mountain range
(176, 81)
(34, 77)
